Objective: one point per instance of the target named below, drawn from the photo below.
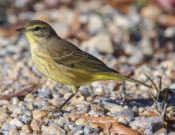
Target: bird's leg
(90, 87)
(74, 90)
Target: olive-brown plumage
(63, 62)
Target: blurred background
(134, 37)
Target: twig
(22, 92)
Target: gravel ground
(130, 41)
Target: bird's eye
(36, 28)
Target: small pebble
(26, 118)
(8, 127)
(53, 129)
(141, 109)
(29, 97)
(3, 110)
(58, 114)
(82, 108)
(30, 106)
(95, 24)
(99, 91)
(41, 102)
(92, 113)
(15, 100)
(77, 128)
(122, 120)
(134, 127)
(45, 93)
(39, 115)
(115, 108)
(67, 95)
(129, 114)
(92, 125)
(69, 125)
(13, 132)
(26, 129)
(78, 100)
(62, 121)
(87, 130)
(1, 104)
(73, 116)
(17, 123)
(35, 126)
(55, 101)
(171, 73)
(89, 99)
(80, 121)
(79, 132)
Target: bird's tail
(116, 76)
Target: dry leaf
(153, 113)
(111, 125)
(123, 5)
(22, 92)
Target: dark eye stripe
(36, 29)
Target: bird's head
(37, 31)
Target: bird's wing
(71, 56)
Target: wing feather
(71, 56)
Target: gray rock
(96, 130)
(77, 128)
(129, 114)
(148, 131)
(58, 114)
(155, 123)
(79, 132)
(69, 125)
(116, 114)
(92, 112)
(83, 109)
(109, 102)
(45, 93)
(7, 127)
(112, 105)
(62, 121)
(88, 130)
(41, 104)
(26, 118)
(1, 104)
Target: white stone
(52, 129)
(17, 123)
(95, 24)
(101, 42)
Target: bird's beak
(21, 30)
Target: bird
(63, 62)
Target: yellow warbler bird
(63, 62)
